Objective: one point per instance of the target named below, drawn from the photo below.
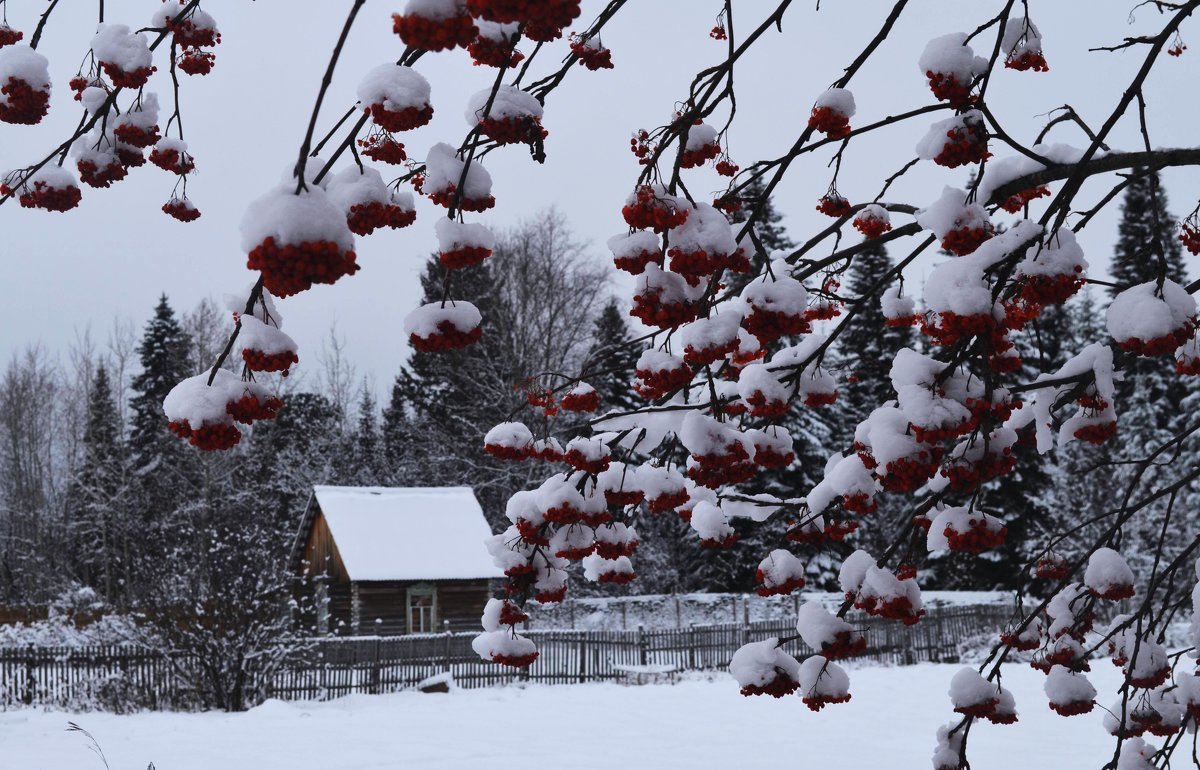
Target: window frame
(419, 591)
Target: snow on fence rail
(130, 677)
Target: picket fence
(73, 677)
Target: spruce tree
(163, 353)
(612, 359)
(1151, 397)
(768, 228)
(1146, 244)
(366, 450)
(100, 533)
(867, 344)
(864, 353)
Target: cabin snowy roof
(408, 533)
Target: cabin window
(422, 608)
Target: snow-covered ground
(888, 725)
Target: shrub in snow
(956, 141)
(1022, 46)
(172, 155)
(509, 116)
(872, 221)
(495, 45)
(1108, 576)
(762, 668)
(443, 326)
(652, 207)
(435, 25)
(51, 187)
(1149, 320)
(633, 251)
(443, 170)
(823, 682)
(951, 66)
(123, 55)
(832, 637)
(297, 239)
(832, 112)
(779, 573)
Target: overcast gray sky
(115, 254)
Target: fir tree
(366, 450)
(100, 533)
(1146, 245)
(612, 359)
(867, 344)
(163, 353)
(768, 228)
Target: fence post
(643, 646)
(27, 695)
(691, 646)
(375, 672)
(582, 658)
(678, 613)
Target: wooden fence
(79, 677)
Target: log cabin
(392, 560)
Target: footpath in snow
(888, 725)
